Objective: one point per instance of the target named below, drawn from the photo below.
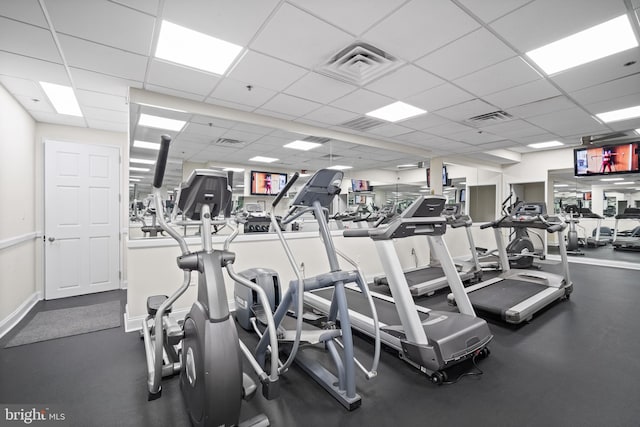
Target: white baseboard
(132, 324)
(19, 313)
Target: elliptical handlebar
(161, 163)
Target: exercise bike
(204, 349)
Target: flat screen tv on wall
(267, 183)
(610, 159)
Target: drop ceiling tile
(59, 119)
(196, 131)
(42, 105)
(275, 114)
(474, 137)
(300, 38)
(466, 110)
(330, 116)
(319, 88)
(184, 79)
(22, 87)
(415, 137)
(94, 57)
(425, 121)
(389, 130)
(147, 6)
(291, 105)
(173, 92)
(134, 29)
(447, 129)
(28, 40)
(488, 10)
(96, 123)
(624, 125)
(28, 11)
(496, 145)
(609, 90)
(598, 72)
(97, 82)
(236, 91)
(470, 53)
(621, 102)
(404, 82)
(544, 21)
(230, 104)
(262, 70)
(362, 101)
(439, 97)
(498, 77)
(102, 100)
(512, 129)
(255, 129)
(419, 27)
(107, 115)
(545, 106)
(245, 137)
(34, 69)
(354, 16)
(524, 94)
(568, 122)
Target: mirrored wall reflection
(594, 207)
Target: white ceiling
(455, 58)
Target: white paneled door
(82, 250)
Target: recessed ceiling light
(339, 167)
(62, 98)
(396, 112)
(408, 165)
(136, 169)
(263, 159)
(194, 49)
(617, 115)
(233, 169)
(624, 183)
(560, 185)
(134, 179)
(161, 122)
(611, 179)
(593, 43)
(143, 161)
(146, 144)
(546, 144)
(240, 185)
(302, 145)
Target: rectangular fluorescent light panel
(194, 49)
(611, 179)
(624, 183)
(233, 170)
(263, 159)
(143, 161)
(561, 185)
(617, 115)
(62, 98)
(135, 179)
(593, 43)
(161, 122)
(302, 145)
(547, 144)
(396, 112)
(146, 144)
(136, 169)
(339, 167)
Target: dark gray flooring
(575, 364)
(605, 252)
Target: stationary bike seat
(154, 302)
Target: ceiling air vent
(359, 64)
(362, 124)
(331, 156)
(317, 139)
(227, 141)
(494, 115)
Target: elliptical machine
(573, 241)
(334, 335)
(205, 349)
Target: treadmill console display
(529, 212)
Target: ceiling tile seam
(31, 24)
(54, 35)
(530, 63)
(127, 6)
(634, 18)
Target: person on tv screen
(267, 183)
(607, 159)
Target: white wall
(18, 230)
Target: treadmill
(627, 240)
(601, 236)
(428, 340)
(427, 280)
(517, 294)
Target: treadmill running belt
(387, 312)
(416, 277)
(501, 296)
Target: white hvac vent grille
(362, 124)
(359, 63)
(317, 139)
(494, 115)
(227, 141)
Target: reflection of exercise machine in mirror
(627, 239)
